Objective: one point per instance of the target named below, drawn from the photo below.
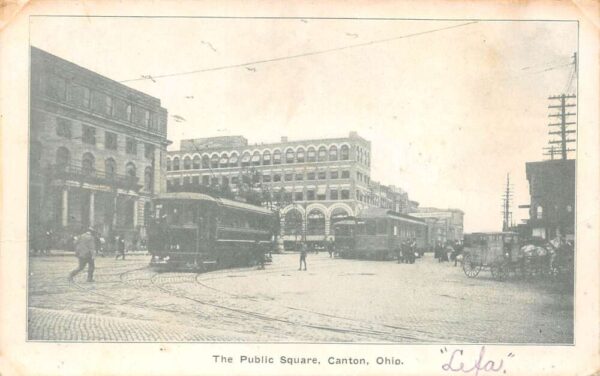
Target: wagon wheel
(499, 271)
(470, 267)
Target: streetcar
(197, 231)
(377, 234)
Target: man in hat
(85, 250)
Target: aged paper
(299, 188)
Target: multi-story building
(442, 224)
(97, 151)
(319, 180)
(552, 205)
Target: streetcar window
(381, 226)
(371, 227)
(395, 230)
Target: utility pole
(506, 205)
(562, 124)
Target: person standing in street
(259, 255)
(120, 245)
(303, 251)
(330, 247)
(85, 250)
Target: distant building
(442, 224)
(552, 191)
(97, 151)
(318, 180)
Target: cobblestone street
(334, 301)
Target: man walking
(85, 250)
(330, 247)
(302, 255)
(120, 245)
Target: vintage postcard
(249, 188)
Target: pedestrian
(120, 247)
(259, 255)
(303, 250)
(399, 253)
(330, 247)
(85, 249)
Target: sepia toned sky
(451, 107)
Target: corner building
(97, 152)
(322, 179)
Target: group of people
(407, 252)
(449, 251)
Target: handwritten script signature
(456, 363)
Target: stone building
(552, 205)
(321, 179)
(442, 224)
(97, 151)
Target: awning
(245, 158)
(255, 158)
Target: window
(214, 161)
(310, 176)
(358, 195)
(130, 170)
(148, 186)
(246, 159)
(333, 194)
(277, 177)
(131, 146)
(381, 226)
(122, 110)
(333, 153)
(214, 181)
(176, 164)
(110, 140)
(56, 88)
(205, 161)
(310, 195)
(225, 181)
(255, 159)
(110, 167)
(359, 176)
(196, 162)
(315, 224)
(300, 155)
(311, 155)
(345, 174)
(88, 163)
(89, 135)
(299, 177)
(371, 227)
(169, 167)
(79, 96)
(63, 128)
(63, 157)
(102, 103)
(141, 116)
(187, 180)
(267, 178)
(289, 156)
(344, 153)
(321, 197)
(234, 180)
(266, 158)
(205, 180)
(345, 194)
(187, 163)
(234, 160)
(539, 212)
(196, 180)
(289, 177)
(334, 174)
(322, 154)
(298, 196)
(322, 175)
(276, 157)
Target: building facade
(318, 180)
(443, 225)
(97, 151)
(552, 192)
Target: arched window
(322, 154)
(63, 157)
(176, 164)
(338, 214)
(539, 212)
(311, 155)
(88, 163)
(224, 161)
(148, 183)
(333, 153)
(169, 167)
(205, 162)
(214, 161)
(277, 157)
(196, 163)
(256, 159)
(187, 163)
(246, 159)
(289, 156)
(300, 155)
(293, 223)
(266, 158)
(130, 170)
(315, 223)
(234, 160)
(344, 153)
(110, 167)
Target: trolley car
(376, 234)
(198, 231)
